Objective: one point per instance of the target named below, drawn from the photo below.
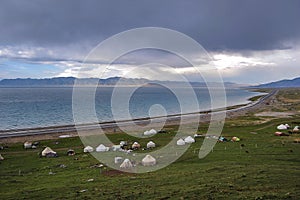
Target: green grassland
(260, 166)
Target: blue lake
(40, 107)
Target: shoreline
(55, 131)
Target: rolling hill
(70, 81)
(281, 84)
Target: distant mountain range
(281, 84)
(60, 81)
(70, 81)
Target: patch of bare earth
(275, 114)
(115, 173)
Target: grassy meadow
(260, 166)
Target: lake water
(40, 107)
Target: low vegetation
(255, 98)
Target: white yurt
(118, 160)
(1, 157)
(147, 133)
(27, 145)
(180, 142)
(126, 164)
(123, 143)
(189, 140)
(153, 131)
(49, 152)
(136, 145)
(150, 132)
(88, 149)
(148, 161)
(116, 148)
(296, 129)
(150, 144)
(102, 148)
(281, 127)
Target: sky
(250, 41)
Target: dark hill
(281, 84)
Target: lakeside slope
(260, 166)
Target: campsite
(260, 165)
(149, 100)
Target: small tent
(296, 129)
(1, 157)
(102, 148)
(147, 133)
(27, 145)
(88, 149)
(281, 134)
(148, 161)
(180, 142)
(48, 152)
(235, 139)
(287, 126)
(222, 139)
(281, 127)
(277, 133)
(70, 152)
(150, 144)
(153, 132)
(189, 140)
(136, 145)
(150, 132)
(126, 164)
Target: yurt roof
(148, 160)
(180, 142)
(47, 150)
(189, 139)
(126, 164)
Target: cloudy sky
(249, 41)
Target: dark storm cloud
(229, 25)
